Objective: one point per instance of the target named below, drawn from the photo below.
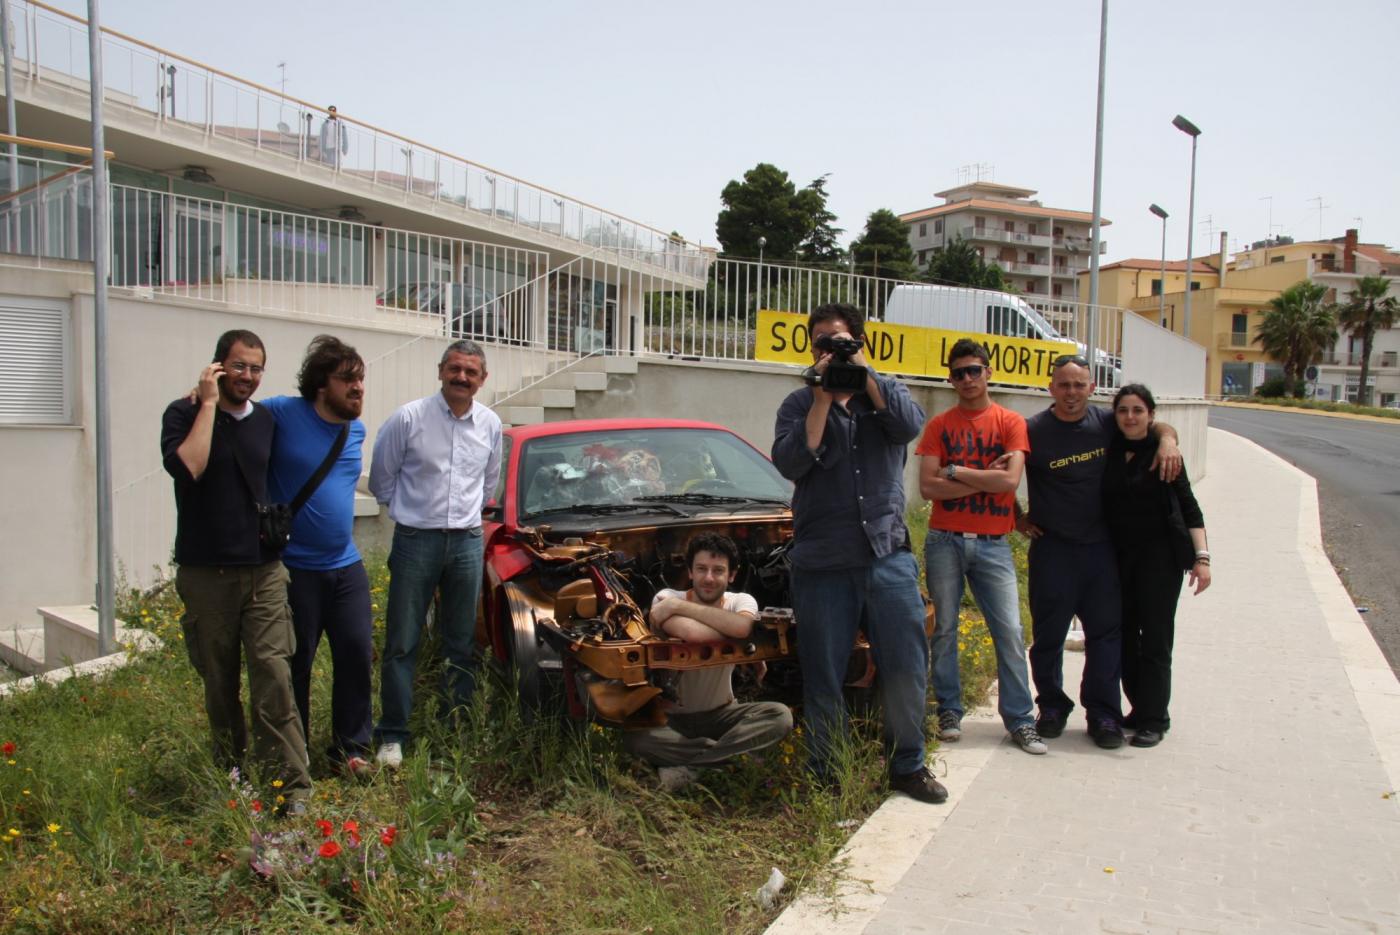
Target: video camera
(841, 375)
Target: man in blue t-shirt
(328, 590)
(1073, 569)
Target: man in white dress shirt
(435, 461)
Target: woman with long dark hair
(1149, 520)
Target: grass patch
(114, 818)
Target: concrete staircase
(64, 637)
(554, 397)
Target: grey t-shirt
(700, 690)
(1065, 472)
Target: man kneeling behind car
(705, 725)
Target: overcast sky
(649, 108)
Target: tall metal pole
(10, 127)
(1193, 131)
(1162, 290)
(1091, 338)
(1190, 236)
(106, 567)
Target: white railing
(972, 232)
(195, 248)
(45, 208)
(51, 46)
(719, 322)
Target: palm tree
(1369, 310)
(1296, 328)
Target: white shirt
(700, 690)
(433, 469)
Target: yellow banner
(783, 339)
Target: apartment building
(1042, 250)
(1229, 299)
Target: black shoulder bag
(275, 519)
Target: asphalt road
(1357, 467)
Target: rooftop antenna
(1208, 222)
(282, 126)
(1320, 206)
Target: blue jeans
(830, 605)
(987, 567)
(421, 561)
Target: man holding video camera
(843, 441)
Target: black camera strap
(312, 482)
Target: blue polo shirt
(321, 534)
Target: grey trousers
(711, 737)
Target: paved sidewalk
(1270, 807)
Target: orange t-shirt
(974, 440)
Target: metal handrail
(504, 212)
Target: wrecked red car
(589, 520)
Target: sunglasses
(971, 370)
(1069, 359)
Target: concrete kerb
(99, 666)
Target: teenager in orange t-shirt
(971, 461)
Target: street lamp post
(762, 242)
(1162, 314)
(1193, 131)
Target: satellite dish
(282, 127)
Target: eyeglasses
(241, 368)
(1069, 359)
(972, 371)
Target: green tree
(765, 204)
(1296, 328)
(959, 264)
(821, 246)
(1369, 309)
(883, 249)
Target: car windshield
(684, 465)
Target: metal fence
(45, 209)
(719, 322)
(51, 47)
(196, 248)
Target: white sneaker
(675, 778)
(390, 755)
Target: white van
(983, 311)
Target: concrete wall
(746, 398)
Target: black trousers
(1151, 585)
(335, 603)
(1067, 580)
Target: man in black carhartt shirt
(1073, 568)
(216, 447)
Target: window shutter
(34, 364)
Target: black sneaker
(1107, 734)
(920, 785)
(1146, 737)
(949, 726)
(1050, 725)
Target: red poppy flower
(257, 805)
(8, 748)
(354, 837)
(329, 849)
(189, 842)
(351, 826)
(387, 836)
(232, 803)
(326, 828)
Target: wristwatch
(950, 471)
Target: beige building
(1228, 300)
(1042, 250)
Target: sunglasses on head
(971, 370)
